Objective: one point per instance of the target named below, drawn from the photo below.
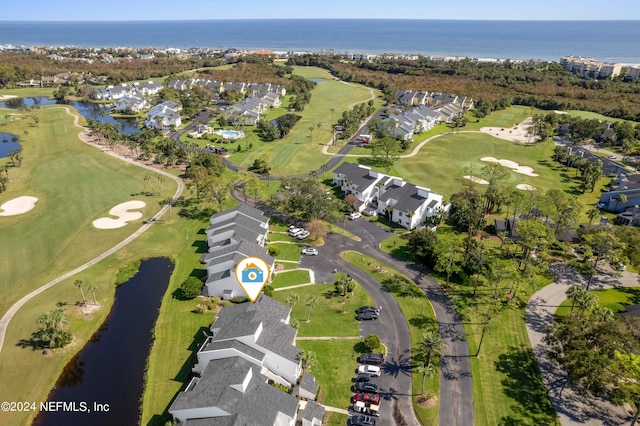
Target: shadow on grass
(183, 376)
(424, 322)
(200, 245)
(522, 383)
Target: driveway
(391, 327)
(572, 409)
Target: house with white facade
(402, 202)
(251, 345)
(132, 102)
(164, 116)
(413, 121)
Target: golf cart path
(571, 408)
(83, 136)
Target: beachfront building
(401, 202)
(633, 71)
(588, 67)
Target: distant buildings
(633, 71)
(588, 67)
(402, 202)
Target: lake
(86, 109)
(109, 370)
(8, 143)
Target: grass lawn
(286, 265)
(334, 372)
(299, 151)
(329, 316)
(420, 318)
(59, 232)
(396, 246)
(287, 251)
(289, 278)
(337, 419)
(615, 299)
(507, 388)
(28, 92)
(591, 115)
(69, 179)
(504, 118)
(276, 237)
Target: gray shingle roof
(244, 247)
(358, 176)
(246, 210)
(239, 220)
(308, 383)
(259, 403)
(243, 320)
(238, 233)
(410, 200)
(313, 410)
(235, 344)
(235, 420)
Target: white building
(164, 116)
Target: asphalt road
(456, 393)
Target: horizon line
(314, 19)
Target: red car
(367, 398)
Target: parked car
(309, 251)
(366, 316)
(366, 308)
(371, 359)
(354, 215)
(369, 370)
(366, 387)
(368, 409)
(362, 379)
(302, 235)
(367, 398)
(361, 420)
(294, 232)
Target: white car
(310, 251)
(354, 215)
(369, 370)
(302, 235)
(294, 232)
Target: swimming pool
(229, 134)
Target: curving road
(83, 136)
(572, 408)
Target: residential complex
(233, 235)
(402, 202)
(251, 347)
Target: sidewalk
(572, 409)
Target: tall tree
(79, 284)
(430, 347)
(310, 303)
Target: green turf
(329, 317)
(334, 372)
(591, 115)
(289, 278)
(420, 318)
(615, 299)
(298, 152)
(287, 251)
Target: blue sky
(82, 10)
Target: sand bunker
(18, 206)
(525, 170)
(476, 180)
(517, 133)
(526, 187)
(2, 97)
(121, 211)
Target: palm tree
(291, 299)
(4, 180)
(310, 303)
(574, 293)
(332, 111)
(593, 214)
(426, 371)
(166, 202)
(620, 198)
(307, 360)
(586, 302)
(79, 284)
(310, 133)
(93, 289)
(429, 347)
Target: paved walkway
(8, 316)
(572, 408)
(329, 338)
(335, 410)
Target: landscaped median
(420, 317)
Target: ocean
(613, 41)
